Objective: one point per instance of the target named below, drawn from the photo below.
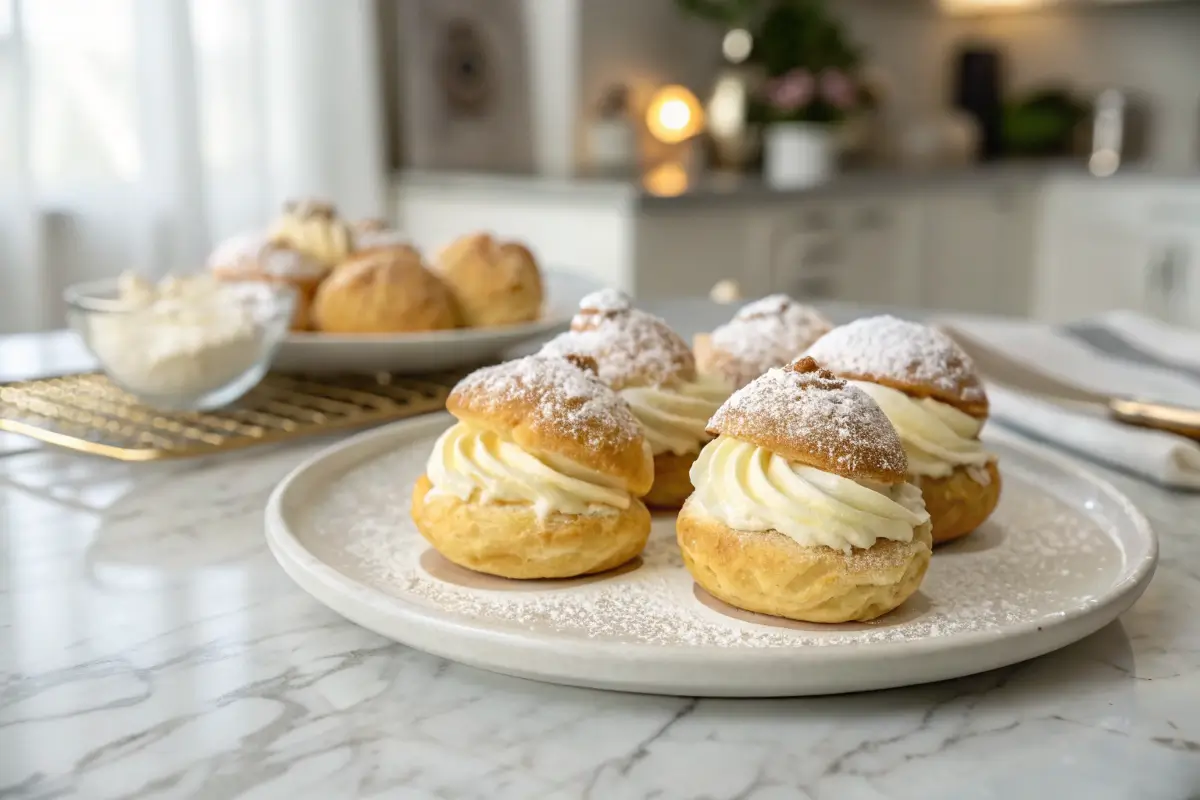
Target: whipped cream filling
(937, 437)
(674, 418)
(749, 488)
(324, 239)
(475, 464)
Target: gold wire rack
(86, 412)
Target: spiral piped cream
(324, 238)
(475, 464)
(674, 418)
(749, 488)
(937, 437)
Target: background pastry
(254, 257)
(373, 235)
(313, 227)
(930, 391)
(388, 291)
(802, 508)
(494, 282)
(653, 370)
(540, 478)
(766, 333)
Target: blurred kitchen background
(1020, 157)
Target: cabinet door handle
(1158, 273)
(871, 219)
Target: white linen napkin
(1073, 355)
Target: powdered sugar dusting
(1034, 561)
(816, 413)
(766, 333)
(606, 300)
(560, 396)
(250, 254)
(630, 346)
(899, 350)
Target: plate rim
(547, 322)
(1088, 616)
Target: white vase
(612, 146)
(798, 154)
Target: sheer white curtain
(144, 130)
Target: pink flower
(791, 91)
(838, 89)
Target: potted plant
(812, 85)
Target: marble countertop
(150, 647)
(725, 189)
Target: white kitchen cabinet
(1119, 245)
(802, 246)
(848, 249)
(1055, 247)
(881, 246)
(977, 247)
(685, 251)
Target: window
(82, 89)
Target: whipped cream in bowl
(937, 437)
(184, 343)
(674, 418)
(749, 488)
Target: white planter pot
(798, 154)
(612, 147)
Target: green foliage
(1042, 123)
(729, 13)
(791, 36)
(800, 34)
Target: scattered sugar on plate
(1008, 572)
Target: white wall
(643, 44)
(1151, 48)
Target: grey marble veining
(151, 648)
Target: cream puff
(254, 257)
(541, 475)
(386, 291)
(802, 506)
(653, 370)
(374, 235)
(314, 227)
(494, 282)
(929, 389)
(766, 333)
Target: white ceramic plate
(408, 353)
(1064, 554)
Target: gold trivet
(88, 413)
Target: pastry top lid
(558, 406)
(809, 416)
(630, 347)
(314, 227)
(916, 359)
(254, 254)
(766, 333)
(482, 248)
(309, 207)
(395, 277)
(375, 234)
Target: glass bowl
(186, 352)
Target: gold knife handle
(1161, 416)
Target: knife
(1000, 368)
